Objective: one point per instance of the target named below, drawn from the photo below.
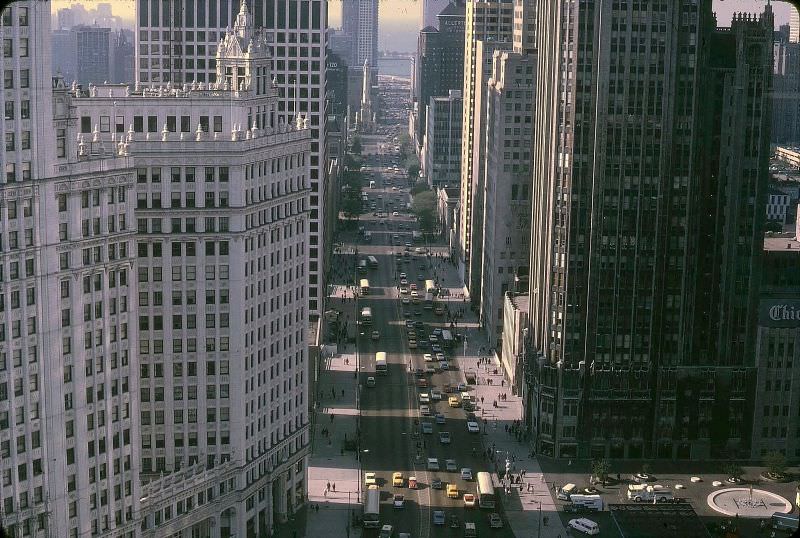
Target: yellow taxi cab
(397, 480)
(452, 491)
(453, 401)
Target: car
(437, 331)
(423, 344)
(404, 535)
(470, 531)
(418, 324)
(413, 286)
(436, 395)
(395, 214)
(440, 418)
(444, 438)
(411, 334)
(403, 290)
(430, 369)
(452, 491)
(425, 410)
(426, 427)
(584, 525)
(422, 383)
(469, 500)
(408, 245)
(495, 521)
(466, 473)
(409, 324)
(397, 479)
(433, 464)
(436, 483)
(376, 335)
(417, 312)
(454, 523)
(450, 465)
(428, 357)
(473, 427)
(436, 348)
(471, 417)
(453, 401)
(418, 250)
(395, 237)
(444, 365)
(412, 344)
(369, 479)
(438, 517)
(404, 282)
(371, 381)
(424, 397)
(394, 188)
(406, 300)
(386, 531)
(420, 277)
(398, 501)
(440, 357)
(403, 276)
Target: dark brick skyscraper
(649, 174)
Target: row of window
(156, 370)
(212, 199)
(182, 248)
(187, 225)
(179, 273)
(212, 393)
(156, 417)
(156, 323)
(186, 173)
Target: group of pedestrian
(329, 487)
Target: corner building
(649, 160)
(153, 302)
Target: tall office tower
(489, 27)
(429, 11)
(794, 26)
(649, 181)
(360, 20)
(441, 148)
(439, 66)
(67, 432)
(221, 198)
(507, 196)
(95, 58)
(124, 57)
(176, 41)
(785, 90)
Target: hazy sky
(399, 19)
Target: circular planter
(772, 478)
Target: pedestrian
(328, 486)
(342, 393)
(331, 417)
(333, 487)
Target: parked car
(495, 521)
(466, 473)
(444, 438)
(584, 525)
(438, 517)
(397, 480)
(398, 501)
(469, 500)
(436, 483)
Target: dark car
(454, 523)
(418, 324)
(436, 483)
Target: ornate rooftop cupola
(243, 59)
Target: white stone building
(179, 45)
(507, 186)
(153, 301)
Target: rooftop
(774, 242)
(657, 521)
(520, 301)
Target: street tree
(775, 462)
(601, 468)
(424, 207)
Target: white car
(395, 214)
(403, 275)
(472, 427)
(403, 282)
(369, 479)
(466, 473)
(469, 500)
(428, 357)
(586, 526)
(424, 397)
(440, 357)
(444, 438)
(433, 464)
(398, 501)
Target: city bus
(486, 496)
(373, 262)
(430, 286)
(372, 508)
(366, 316)
(380, 363)
(362, 266)
(364, 284)
(428, 301)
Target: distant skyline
(399, 19)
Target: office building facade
(441, 148)
(176, 42)
(488, 27)
(642, 311)
(360, 20)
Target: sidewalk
(526, 510)
(329, 462)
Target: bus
(428, 301)
(364, 284)
(430, 287)
(373, 262)
(372, 508)
(362, 266)
(380, 363)
(485, 490)
(366, 316)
